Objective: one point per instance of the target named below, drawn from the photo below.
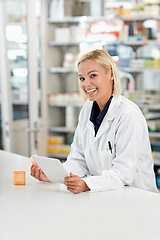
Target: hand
(75, 184)
(37, 173)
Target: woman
(111, 147)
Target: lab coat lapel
(110, 115)
(91, 128)
(93, 141)
(112, 111)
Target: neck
(102, 105)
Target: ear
(112, 77)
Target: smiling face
(95, 81)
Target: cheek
(81, 84)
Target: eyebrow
(89, 72)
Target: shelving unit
(61, 70)
(153, 109)
(64, 80)
(66, 111)
(131, 70)
(62, 129)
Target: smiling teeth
(90, 91)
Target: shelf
(80, 19)
(136, 70)
(56, 44)
(131, 70)
(138, 19)
(88, 19)
(128, 43)
(133, 43)
(61, 129)
(150, 108)
(77, 105)
(153, 107)
(154, 134)
(59, 155)
(61, 70)
(18, 102)
(152, 69)
(152, 116)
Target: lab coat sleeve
(130, 135)
(76, 161)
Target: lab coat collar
(112, 111)
(114, 106)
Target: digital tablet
(52, 168)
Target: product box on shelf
(56, 140)
(137, 63)
(68, 98)
(70, 60)
(60, 9)
(59, 149)
(152, 10)
(56, 145)
(152, 63)
(62, 34)
(123, 12)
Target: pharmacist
(111, 147)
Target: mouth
(91, 91)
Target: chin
(91, 99)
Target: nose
(87, 82)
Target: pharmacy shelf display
(64, 102)
(67, 101)
(140, 66)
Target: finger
(32, 171)
(35, 164)
(72, 175)
(40, 176)
(43, 177)
(73, 190)
(71, 187)
(71, 184)
(66, 178)
(72, 179)
(32, 167)
(37, 173)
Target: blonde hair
(107, 62)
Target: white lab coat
(130, 161)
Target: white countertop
(48, 211)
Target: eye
(81, 78)
(93, 75)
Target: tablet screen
(52, 168)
